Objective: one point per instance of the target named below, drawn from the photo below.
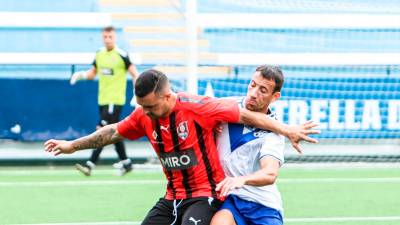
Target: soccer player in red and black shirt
(180, 129)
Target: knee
(223, 217)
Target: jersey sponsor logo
(247, 129)
(240, 135)
(107, 71)
(183, 130)
(260, 133)
(178, 160)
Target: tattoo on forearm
(102, 137)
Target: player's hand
(300, 133)
(80, 75)
(59, 147)
(230, 183)
(218, 128)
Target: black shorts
(109, 114)
(193, 211)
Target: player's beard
(152, 116)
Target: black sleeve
(127, 61)
(94, 63)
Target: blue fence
(49, 108)
(345, 107)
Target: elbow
(271, 178)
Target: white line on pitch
(287, 220)
(87, 223)
(130, 182)
(341, 180)
(73, 171)
(79, 183)
(343, 219)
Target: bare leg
(223, 217)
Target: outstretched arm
(135, 74)
(295, 134)
(83, 75)
(91, 73)
(102, 137)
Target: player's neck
(109, 49)
(265, 109)
(262, 110)
(172, 102)
(174, 96)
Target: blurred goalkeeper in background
(111, 64)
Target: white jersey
(240, 149)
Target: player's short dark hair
(150, 81)
(272, 73)
(108, 29)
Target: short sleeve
(210, 111)
(127, 61)
(125, 57)
(130, 127)
(94, 63)
(274, 145)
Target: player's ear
(276, 95)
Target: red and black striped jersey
(184, 142)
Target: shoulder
(194, 102)
(273, 142)
(101, 50)
(186, 99)
(276, 138)
(121, 52)
(137, 115)
(273, 145)
(272, 114)
(238, 99)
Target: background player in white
(251, 158)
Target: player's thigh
(223, 217)
(114, 116)
(160, 214)
(230, 206)
(104, 116)
(200, 211)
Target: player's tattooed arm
(102, 137)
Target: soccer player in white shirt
(251, 159)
